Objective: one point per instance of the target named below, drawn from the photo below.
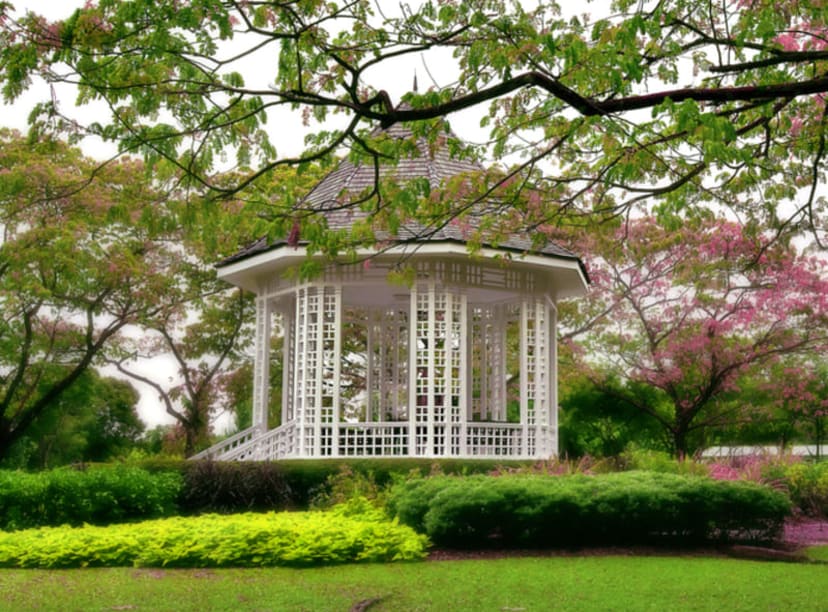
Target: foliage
(346, 485)
(543, 511)
(97, 495)
(807, 485)
(676, 102)
(636, 458)
(76, 267)
(691, 311)
(295, 484)
(228, 487)
(342, 535)
(94, 420)
(598, 423)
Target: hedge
(346, 534)
(623, 508)
(97, 495)
(105, 494)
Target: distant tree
(205, 336)
(206, 331)
(696, 307)
(798, 390)
(95, 420)
(599, 423)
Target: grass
(817, 553)
(571, 583)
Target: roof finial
(415, 80)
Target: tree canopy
(695, 309)
(665, 104)
(76, 267)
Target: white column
(525, 384)
(463, 371)
(288, 322)
(336, 332)
(553, 378)
(301, 376)
(413, 372)
(371, 360)
(261, 365)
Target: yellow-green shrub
(344, 534)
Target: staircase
(253, 445)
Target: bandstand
(460, 363)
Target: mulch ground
(798, 534)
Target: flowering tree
(75, 268)
(679, 101)
(697, 307)
(799, 389)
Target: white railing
(279, 443)
(373, 439)
(228, 444)
(390, 439)
(496, 440)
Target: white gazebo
(461, 363)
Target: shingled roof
(349, 180)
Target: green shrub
(648, 460)
(350, 533)
(807, 485)
(97, 495)
(624, 508)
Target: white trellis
(460, 364)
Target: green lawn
(565, 583)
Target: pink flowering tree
(77, 266)
(797, 388)
(694, 309)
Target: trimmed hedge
(352, 533)
(623, 508)
(105, 494)
(97, 495)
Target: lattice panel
(535, 341)
(488, 368)
(316, 380)
(495, 440)
(440, 361)
(387, 368)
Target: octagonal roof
(347, 181)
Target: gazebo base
(477, 440)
